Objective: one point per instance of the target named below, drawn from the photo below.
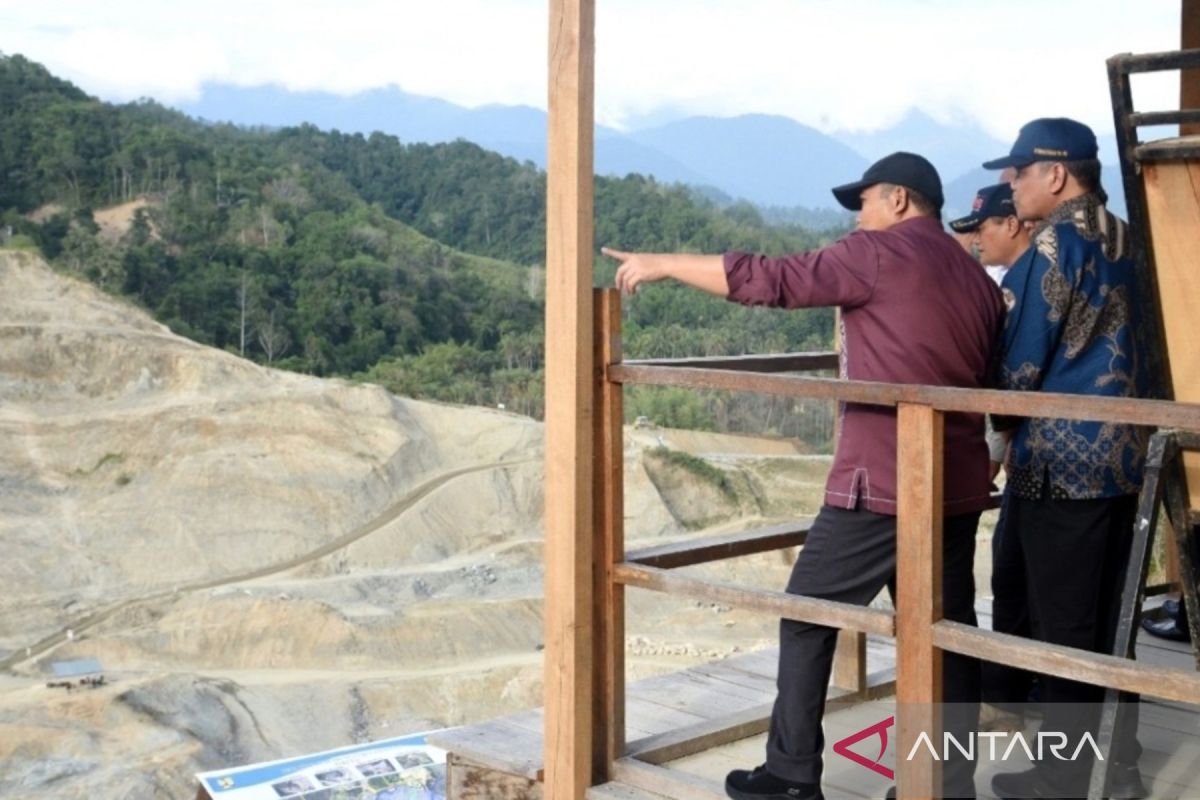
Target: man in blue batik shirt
(1075, 325)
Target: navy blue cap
(990, 201)
(901, 169)
(1049, 139)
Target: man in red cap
(915, 309)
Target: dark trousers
(850, 556)
(1076, 553)
(1003, 685)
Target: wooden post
(837, 348)
(919, 596)
(1189, 79)
(609, 499)
(1189, 97)
(850, 661)
(850, 657)
(568, 481)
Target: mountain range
(768, 160)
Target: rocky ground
(268, 564)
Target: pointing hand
(635, 269)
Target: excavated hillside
(268, 563)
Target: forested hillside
(416, 266)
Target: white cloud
(859, 64)
(836, 64)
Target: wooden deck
(729, 702)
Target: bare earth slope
(268, 564)
(133, 459)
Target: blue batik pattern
(1075, 324)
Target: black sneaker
(1015, 785)
(1170, 624)
(758, 784)
(1125, 782)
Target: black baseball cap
(990, 201)
(1049, 139)
(902, 169)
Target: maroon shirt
(915, 309)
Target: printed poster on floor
(405, 768)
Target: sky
(833, 64)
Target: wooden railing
(587, 568)
(922, 635)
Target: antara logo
(1046, 743)
(880, 730)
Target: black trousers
(850, 556)
(1003, 685)
(1076, 553)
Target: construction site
(228, 576)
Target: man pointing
(915, 309)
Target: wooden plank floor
(1169, 732)
(654, 706)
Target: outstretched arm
(702, 272)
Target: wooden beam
(717, 548)
(569, 403)
(1179, 514)
(1185, 117)
(1189, 79)
(1180, 685)
(609, 510)
(1159, 413)
(782, 604)
(770, 362)
(619, 791)
(701, 736)
(666, 782)
(850, 661)
(919, 594)
(521, 754)
(837, 351)
(711, 733)
(1173, 207)
(468, 780)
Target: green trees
(417, 266)
(88, 255)
(28, 93)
